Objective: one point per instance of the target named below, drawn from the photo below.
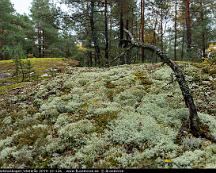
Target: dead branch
(119, 56)
(193, 123)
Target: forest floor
(119, 117)
(42, 68)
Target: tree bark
(203, 29)
(154, 36)
(89, 52)
(44, 46)
(183, 43)
(39, 41)
(142, 27)
(188, 26)
(175, 44)
(106, 33)
(94, 36)
(121, 27)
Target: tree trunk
(142, 27)
(44, 46)
(175, 44)
(121, 27)
(154, 36)
(89, 45)
(121, 30)
(94, 36)
(127, 56)
(106, 33)
(132, 20)
(183, 43)
(39, 41)
(188, 26)
(90, 63)
(203, 29)
(110, 31)
(161, 29)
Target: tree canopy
(182, 28)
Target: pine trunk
(175, 44)
(94, 36)
(203, 29)
(188, 27)
(142, 27)
(106, 33)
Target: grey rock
(5, 75)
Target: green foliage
(5, 25)
(23, 66)
(44, 15)
(15, 29)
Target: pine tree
(44, 16)
(6, 26)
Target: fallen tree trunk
(193, 124)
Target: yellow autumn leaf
(168, 161)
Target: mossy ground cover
(41, 66)
(119, 117)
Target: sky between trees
(22, 6)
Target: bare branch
(194, 124)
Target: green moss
(31, 110)
(6, 89)
(43, 163)
(30, 135)
(143, 78)
(109, 85)
(6, 65)
(103, 120)
(207, 68)
(110, 94)
(39, 64)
